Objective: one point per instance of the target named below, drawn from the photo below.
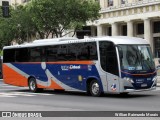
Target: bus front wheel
(95, 88)
(33, 85)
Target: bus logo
(113, 87)
(70, 67)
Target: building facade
(15, 2)
(18, 2)
(1, 2)
(134, 18)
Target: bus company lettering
(70, 67)
(75, 67)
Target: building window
(123, 1)
(157, 47)
(140, 28)
(109, 31)
(110, 2)
(124, 30)
(156, 27)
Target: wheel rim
(32, 85)
(95, 88)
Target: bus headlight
(129, 79)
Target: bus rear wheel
(95, 88)
(33, 86)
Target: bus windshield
(136, 57)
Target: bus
(93, 65)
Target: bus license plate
(143, 85)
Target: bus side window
(87, 51)
(51, 52)
(62, 52)
(21, 55)
(72, 52)
(9, 55)
(35, 54)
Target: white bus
(94, 65)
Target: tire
(33, 86)
(94, 88)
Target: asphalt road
(21, 99)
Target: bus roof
(55, 41)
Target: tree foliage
(55, 16)
(44, 18)
(19, 27)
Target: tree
(55, 16)
(23, 24)
(45, 17)
(18, 26)
(6, 31)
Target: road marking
(6, 95)
(30, 93)
(6, 85)
(16, 94)
(26, 94)
(20, 94)
(13, 94)
(11, 86)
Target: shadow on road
(109, 95)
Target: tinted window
(8, 55)
(37, 54)
(72, 52)
(21, 55)
(67, 52)
(85, 51)
(52, 53)
(108, 57)
(62, 53)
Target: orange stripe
(40, 86)
(53, 85)
(139, 74)
(10, 76)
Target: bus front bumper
(139, 90)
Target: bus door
(109, 64)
